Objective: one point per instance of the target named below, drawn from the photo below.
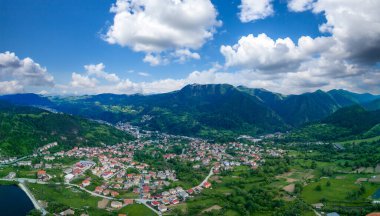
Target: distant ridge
(210, 110)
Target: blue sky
(64, 36)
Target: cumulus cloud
(82, 81)
(26, 71)
(160, 26)
(347, 57)
(155, 59)
(17, 74)
(355, 25)
(10, 87)
(182, 55)
(98, 71)
(264, 53)
(307, 79)
(252, 10)
(300, 5)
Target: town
(118, 176)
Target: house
(374, 214)
(155, 203)
(172, 191)
(190, 191)
(136, 190)
(114, 193)
(98, 190)
(69, 177)
(106, 192)
(86, 183)
(116, 204)
(317, 205)
(128, 201)
(174, 202)
(162, 208)
(41, 173)
(146, 189)
(165, 201)
(165, 194)
(183, 194)
(67, 212)
(207, 185)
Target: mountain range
(217, 111)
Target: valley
(171, 157)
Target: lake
(13, 201)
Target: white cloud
(160, 26)
(264, 53)
(144, 74)
(300, 5)
(252, 10)
(98, 71)
(355, 25)
(10, 87)
(25, 71)
(345, 58)
(307, 79)
(182, 55)
(18, 75)
(83, 81)
(155, 59)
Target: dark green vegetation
(23, 129)
(211, 111)
(345, 124)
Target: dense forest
(24, 129)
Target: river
(14, 201)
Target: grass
(21, 172)
(358, 141)
(137, 210)
(73, 198)
(337, 193)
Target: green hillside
(23, 129)
(346, 123)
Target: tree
(318, 188)
(313, 165)
(328, 183)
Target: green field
(137, 210)
(358, 141)
(338, 192)
(61, 197)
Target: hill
(212, 111)
(209, 111)
(346, 123)
(23, 129)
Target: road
(36, 204)
(207, 177)
(15, 161)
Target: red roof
(41, 172)
(128, 201)
(155, 203)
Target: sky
(153, 46)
